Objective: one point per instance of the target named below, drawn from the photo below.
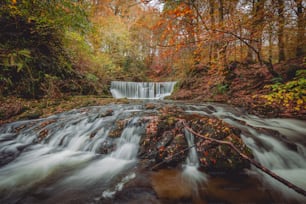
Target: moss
(31, 115)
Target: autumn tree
(214, 29)
(300, 13)
(281, 25)
(123, 38)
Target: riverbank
(251, 87)
(13, 108)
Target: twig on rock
(171, 157)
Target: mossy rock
(222, 158)
(168, 146)
(31, 115)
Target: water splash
(109, 193)
(191, 175)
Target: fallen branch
(252, 161)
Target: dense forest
(55, 48)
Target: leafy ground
(13, 109)
(251, 87)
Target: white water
(141, 90)
(191, 175)
(268, 150)
(124, 157)
(67, 161)
(192, 159)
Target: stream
(62, 159)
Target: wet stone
(149, 106)
(117, 128)
(32, 115)
(107, 146)
(167, 137)
(179, 139)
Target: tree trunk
(221, 45)
(300, 49)
(256, 29)
(281, 24)
(259, 22)
(212, 22)
(270, 43)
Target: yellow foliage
(290, 95)
(299, 101)
(297, 108)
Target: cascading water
(282, 152)
(141, 90)
(65, 153)
(59, 159)
(192, 176)
(192, 159)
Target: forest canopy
(48, 48)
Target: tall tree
(300, 11)
(281, 25)
(212, 24)
(256, 27)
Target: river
(59, 159)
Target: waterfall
(141, 90)
(192, 159)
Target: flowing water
(59, 159)
(141, 90)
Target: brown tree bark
(280, 34)
(256, 27)
(221, 45)
(212, 24)
(300, 49)
(270, 57)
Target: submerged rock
(117, 128)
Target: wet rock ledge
(164, 145)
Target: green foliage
(221, 88)
(32, 49)
(15, 59)
(50, 47)
(92, 77)
(292, 94)
(277, 80)
(61, 14)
